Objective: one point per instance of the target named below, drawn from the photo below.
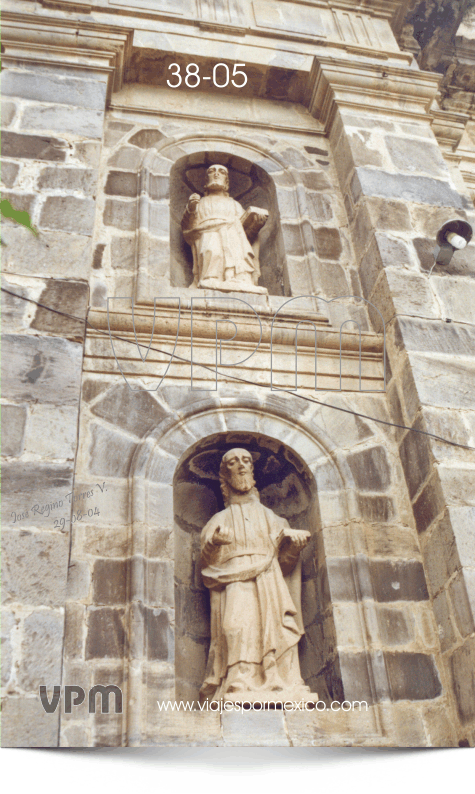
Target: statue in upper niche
(223, 237)
(250, 559)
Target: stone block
(393, 252)
(68, 179)
(416, 459)
(87, 153)
(74, 625)
(123, 252)
(34, 493)
(158, 187)
(376, 508)
(29, 254)
(457, 297)
(389, 215)
(447, 635)
(121, 183)
(13, 429)
(355, 676)
(313, 180)
(440, 555)
(455, 380)
(158, 581)
(101, 541)
(394, 627)
(341, 579)
(97, 256)
(41, 649)
(70, 297)
(461, 607)
(64, 119)
(254, 729)
(34, 567)
(370, 469)
(79, 581)
(437, 337)
(121, 214)
(463, 678)
(159, 635)
(7, 113)
(110, 582)
(48, 87)
(127, 157)
(420, 189)
(26, 724)
(33, 147)
(52, 432)
(293, 240)
(9, 172)
(412, 676)
(425, 249)
(416, 156)
(159, 215)
(68, 214)
(462, 520)
(192, 612)
(439, 727)
(41, 368)
(110, 453)
(429, 504)
(398, 581)
(106, 637)
(136, 412)
(115, 130)
(146, 139)
(328, 243)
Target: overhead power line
(86, 322)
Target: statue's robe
(218, 241)
(256, 624)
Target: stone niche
(251, 186)
(289, 489)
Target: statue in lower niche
(249, 561)
(220, 234)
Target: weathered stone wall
(429, 321)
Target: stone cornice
(370, 87)
(67, 43)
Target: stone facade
(360, 154)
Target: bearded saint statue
(220, 235)
(249, 561)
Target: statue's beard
(242, 482)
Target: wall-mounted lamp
(453, 236)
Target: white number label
(236, 71)
(175, 74)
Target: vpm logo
(79, 697)
(204, 305)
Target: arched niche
(250, 185)
(286, 486)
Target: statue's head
(236, 472)
(217, 179)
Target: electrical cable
(236, 378)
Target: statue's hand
(193, 202)
(298, 538)
(222, 536)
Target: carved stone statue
(250, 564)
(220, 234)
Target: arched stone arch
(153, 474)
(153, 218)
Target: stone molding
(369, 87)
(101, 49)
